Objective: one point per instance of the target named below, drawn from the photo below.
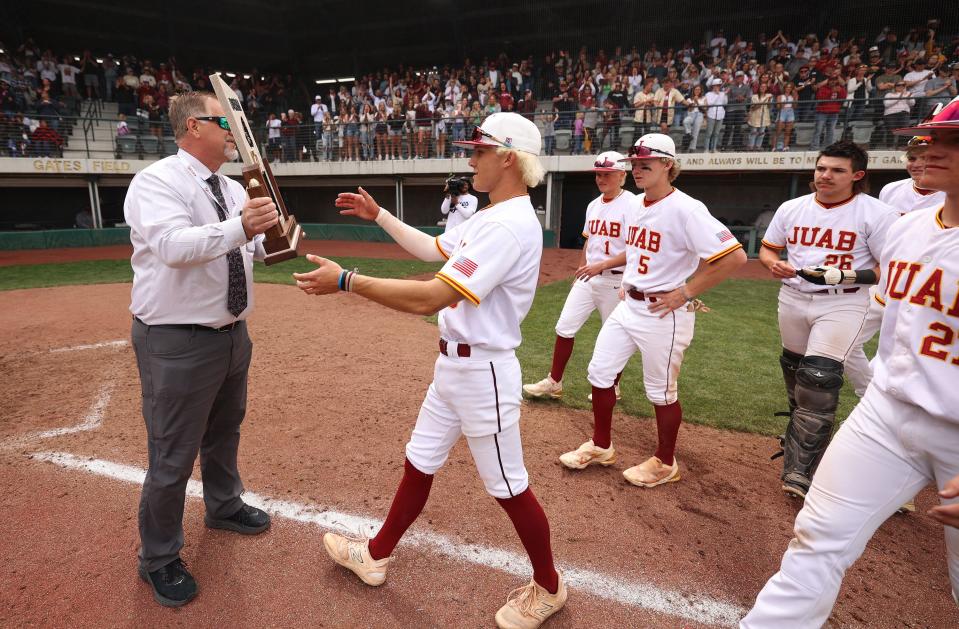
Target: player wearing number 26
(904, 433)
(832, 240)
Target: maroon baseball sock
(531, 524)
(668, 419)
(562, 350)
(603, 402)
(409, 500)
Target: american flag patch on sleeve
(724, 235)
(465, 266)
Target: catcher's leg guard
(790, 361)
(818, 381)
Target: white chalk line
(634, 593)
(92, 421)
(76, 348)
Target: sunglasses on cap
(647, 151)
(479, 135)
(220, 120)
(606, 163)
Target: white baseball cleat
(528, 607)
(354, 554)
(653, 472)
(587, 454)
(615, 388)
(547, 387)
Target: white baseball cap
(610, 162)
(507, 130)
(652, 146)
(716, 81)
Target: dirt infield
(334, 389)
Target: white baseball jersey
(493, 261)
(666, 240)
(605, 228)
(849, 235)
(466, 205)
(918, 357)
(905, 197)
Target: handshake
(827, 275)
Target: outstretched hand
(322, 280)
(359, 204)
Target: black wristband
(866, 276)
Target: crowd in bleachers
(726, 93)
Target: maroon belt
(836, 291)
(462, 349)
(639, 295)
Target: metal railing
(806, 125)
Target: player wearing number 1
(600, 272)
(832, 240)
(905, 431)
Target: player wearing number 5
(832, 240)
(905, 431)
(600, 272)
(667, 235)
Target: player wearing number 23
(832, 240)
(904, 433)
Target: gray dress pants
(193, 382)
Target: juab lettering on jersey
(599, 227)
(641, 238)
(941, 336)
(822, 238)
(929, 291)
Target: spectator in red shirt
(45, 142)
(830, 97)
(505, 98)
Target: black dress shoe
(248, 521)
(173, 585)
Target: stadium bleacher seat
(862, 131)
(625, 138)
(802, 134)
(150, 144)
(126, 145)
(169, 145)
(563, 139)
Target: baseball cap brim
(608, 170)
(946, 119)
(468, 143)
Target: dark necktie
(236, 291)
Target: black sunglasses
(647, 151)
(220, 120)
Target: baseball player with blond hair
(600, 272)
(905, 431)
(832, 239)
(668, 233)
(482, 294)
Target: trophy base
(283, 247)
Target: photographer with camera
(459, 204)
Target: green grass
(114, 271)
(730, 377)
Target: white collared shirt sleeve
(161, 216)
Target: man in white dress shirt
(193, 233)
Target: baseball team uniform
(902, 435)
(605, 232)
(819, 324)
(665, 241)
(493, 261)
(905, 197)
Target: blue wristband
(342, 281)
